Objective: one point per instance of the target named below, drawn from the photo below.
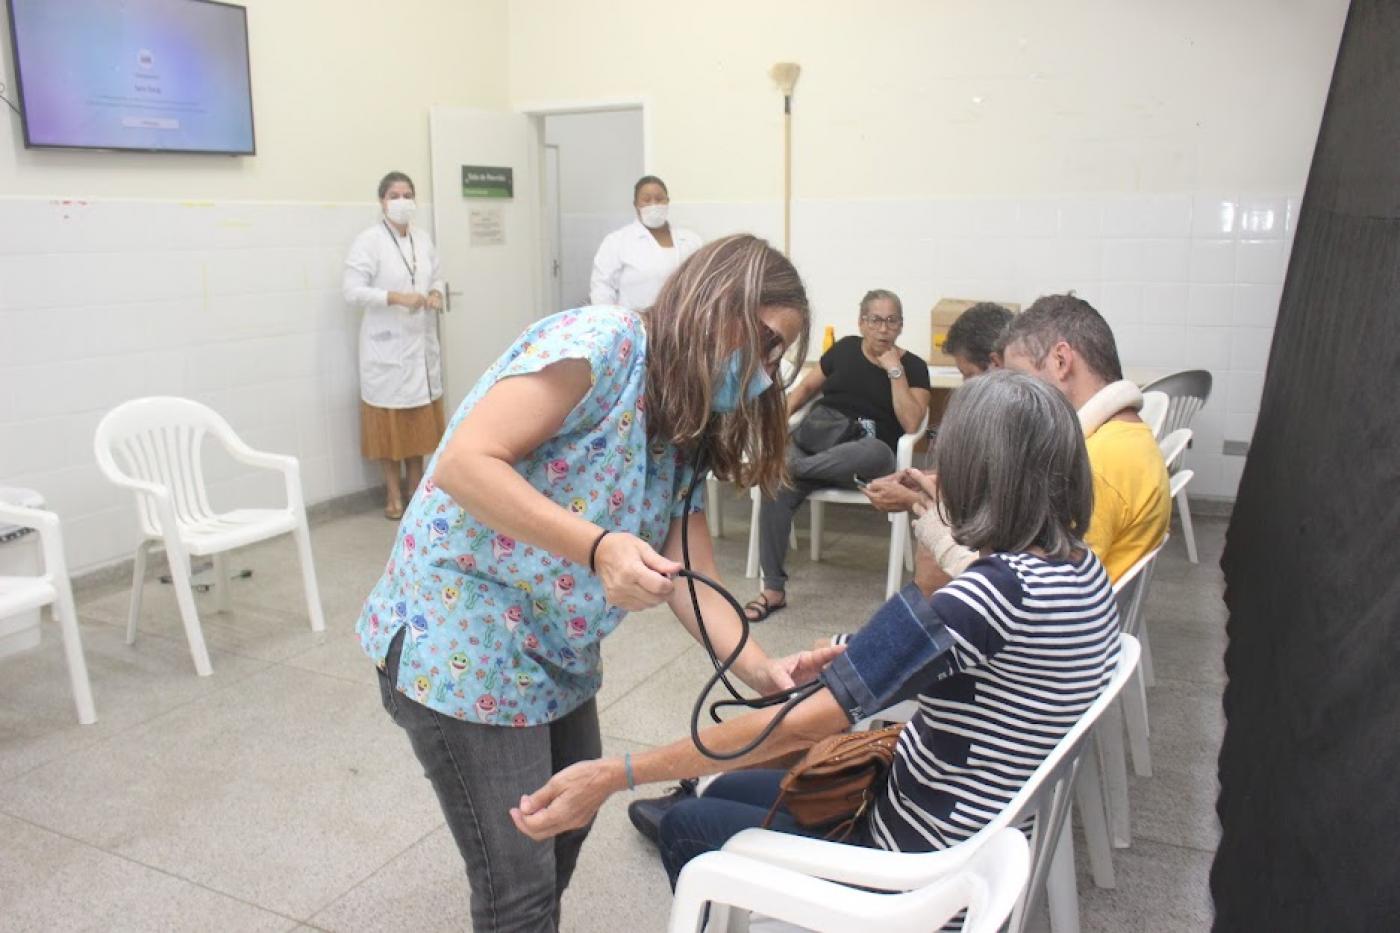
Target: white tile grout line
(228, 682)
(387, 862)
(632, 689)
(155, 868)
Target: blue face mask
(727, 392)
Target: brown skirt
(400, 433)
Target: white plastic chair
(1128, 714)
(1188, 392)
(153, 446)
(901, 555)
(987, 885)
(52, 588)
(1044, 797)
(1173, 446)
(1154, 411)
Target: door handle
(447, 300)
(554, 270)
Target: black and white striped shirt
(1002, 661)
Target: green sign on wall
(484, 181)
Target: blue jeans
(479, 773)
(732, 803)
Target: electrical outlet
(1235, 448)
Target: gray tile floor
(276, 794)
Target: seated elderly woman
(872, 392)
(1002, 661)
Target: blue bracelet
(627, 764)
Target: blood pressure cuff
(903, 650)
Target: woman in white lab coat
(633, 262)
(392, 275)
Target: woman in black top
(882, 389)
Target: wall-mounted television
(146, 75)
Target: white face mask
(400, 210)
(654, 215)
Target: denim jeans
(734, 802)
(479, 772)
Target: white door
(489, 247)
(552, 232)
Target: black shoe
(646, 814)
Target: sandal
(763, 607)
(393, 512)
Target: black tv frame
(24, 110)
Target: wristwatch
(895, 373)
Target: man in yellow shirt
(1064, 341)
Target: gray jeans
(869, 457)
(479, 773)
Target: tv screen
(152, 75)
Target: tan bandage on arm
(934, 536)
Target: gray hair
(1013, 472)
(876, 294)
(1053, 318)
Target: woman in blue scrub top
(552, 508)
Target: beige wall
(928, 98)
(341, 90)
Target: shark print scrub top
(501, 632)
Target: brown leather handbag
(837, 780)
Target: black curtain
(1310, 766)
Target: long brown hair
(705, 311)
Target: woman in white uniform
(633, 262)
(392, 274)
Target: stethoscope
(787, 698)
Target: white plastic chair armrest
(241, 452)
(288, 466)
(25, 517)
(155, 490)
(904, 452)
(776, 892)
(50, 534)
(1179, 481)
(877, 869)
(165, 503)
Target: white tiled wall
(238, 305)
(1186, 281)
(234, 304)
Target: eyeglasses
(772, 348)
(874, 320)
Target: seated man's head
(1013, 472)
(1064, 341)
(881, 320)
(972, 340)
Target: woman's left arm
(910, 404)
(754, 667)
(573, 796)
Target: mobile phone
(860, 483)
